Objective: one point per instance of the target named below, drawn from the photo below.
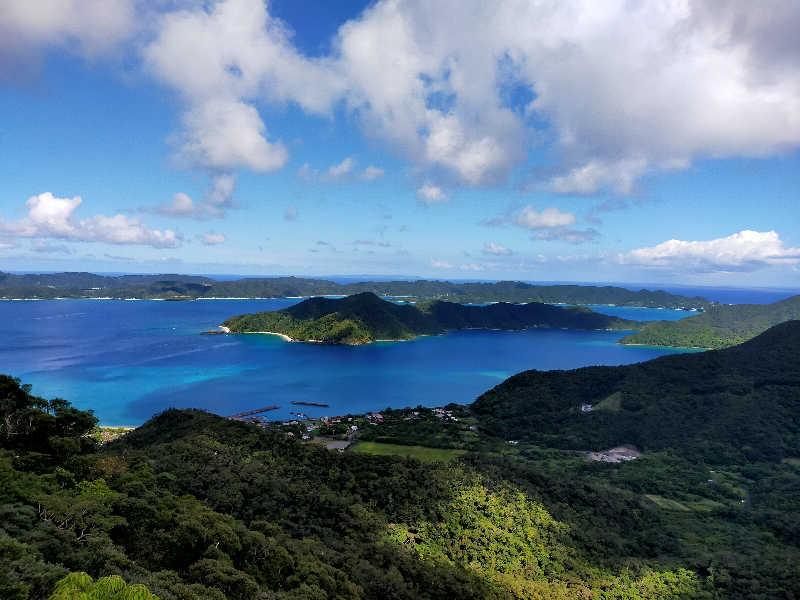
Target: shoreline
(283, 336)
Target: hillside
(720, 326)
(365, 318)
(727, 406)
(87, 285)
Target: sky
(459, 139)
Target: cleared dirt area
(615, 455)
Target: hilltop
(88, 285)
(729, 405)
(720, 326)
(364, 318)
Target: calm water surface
(129, 360)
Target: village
(339, 432)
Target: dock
(302, 403)
(255, 411)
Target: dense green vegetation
(720, 326)
(80, 586)
(365, 318)
(87, 285)
(192, 506)
(421, 453)
(727, 406)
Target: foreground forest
(364, 318)
(193, 506)
(89, 285)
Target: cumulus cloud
(474, 267)
(89, 26)
(371, 173)
(495, 249)
(53, 217)
(441, 264)
(211, 238)
(746, 250)
(340, 171)
(430, 194)
(226, 134)
(221, 57)
(549, 225)
(216, 203)
(529, 218)
(181, 206)
(290, 214)
(463, 86)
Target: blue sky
(575, 142)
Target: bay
(128, 360)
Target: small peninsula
(364, 318)
(721, 326)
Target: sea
(128, 360)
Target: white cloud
(597, 174)
(225, 134)
(746, 250)
(430, 194)
(216, 203)
(441, 264)
(211, 238)
(496, 249)
(528, 218)
(341, 170)
(220, 196)
(181, 206)
(371, 173)
(94, 26)
(291, 213)
(53, 217)
(624, 89)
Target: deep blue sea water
(130, 359)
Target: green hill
(364, 318)
(719, 327)
(731, 405)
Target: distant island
(192, 287)
(364, 318)
(720, 326)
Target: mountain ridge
(364, 318)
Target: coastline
(283, 336)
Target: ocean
(128, 360)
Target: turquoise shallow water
(129, 360)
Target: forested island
(191, 506)
(190, 287)
(720, 326)
(364, 318)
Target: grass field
(612, 404)
(421, 453)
